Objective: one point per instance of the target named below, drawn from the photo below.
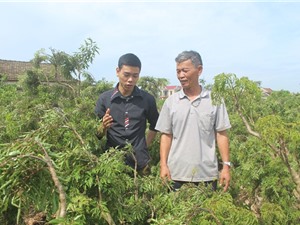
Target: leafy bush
(53, 167)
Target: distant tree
(152, 85)
(202, 82)
(81, 60)
(70, 67)
(94, 90)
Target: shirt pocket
(206, 121)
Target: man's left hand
(225, 177)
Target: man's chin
(184, 85)
(129, 88)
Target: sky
(255, 39)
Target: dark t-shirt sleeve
(152, 113)
(101, 106)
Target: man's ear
(200, 69)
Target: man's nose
(181, 74)
(130, 79)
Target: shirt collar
(116, 93)
(204, 93)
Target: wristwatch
(227, 163)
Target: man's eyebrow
(183, 69)
(128, 73)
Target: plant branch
(106, 215)
(62, 195)
(136, 192)
(197, 210)
(249, 129)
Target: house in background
(266, 91)
(169, 90)
(12, 70)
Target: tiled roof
(172, 87)
(267, 90)
(13, 69)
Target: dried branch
(62, 195)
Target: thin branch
(62, 195)
(76, 133)
(60, 112)
(249, 129)
(106, 215)
(295, 176)
(135, 177)
(32, 156)
(196, 211)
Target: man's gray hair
(192, 55)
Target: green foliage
(242, 94)
(272, 213)
(100, 189)
(94, 90)
(152, 85)
(69, 69)
(199, 205)
(264, 148)
(31, 82)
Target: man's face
(188, 74)
(128, 77)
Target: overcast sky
(259, 40)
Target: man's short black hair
(129, 59)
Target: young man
(125, 111)
(190, 125)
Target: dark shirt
(137, 109)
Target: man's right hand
(106, 123)
(107, 120)
(165, 173)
